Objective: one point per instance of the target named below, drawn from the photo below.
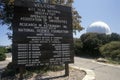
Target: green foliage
(115, 37)
(78, 47)
(2, 56)
(104, 38)
(91, 44)
(2, 53)
(3, 50)
(113, 61)
(111, 50)
(7, 11)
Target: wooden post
(66, 69)
(21, 69)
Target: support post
(66, 69)
(21, 69)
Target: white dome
(99, 27)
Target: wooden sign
(42, 34)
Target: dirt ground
(59, 75)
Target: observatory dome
(99, 27)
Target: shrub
(111, 50)
(2, 53)
(2, 56)
(3, 50)
(78, 47)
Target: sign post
(42, 34)
(21, 69)
(66, 69)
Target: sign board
(42, 34)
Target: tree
(115, 37)
(78, 47)
(104, 38)
(111, 50)
(93, 41)
(9, 5)
(91, 44)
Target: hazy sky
(107, 11)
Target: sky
(4, 41)
(107, 11)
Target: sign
(42, 34)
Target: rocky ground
(58, 75)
